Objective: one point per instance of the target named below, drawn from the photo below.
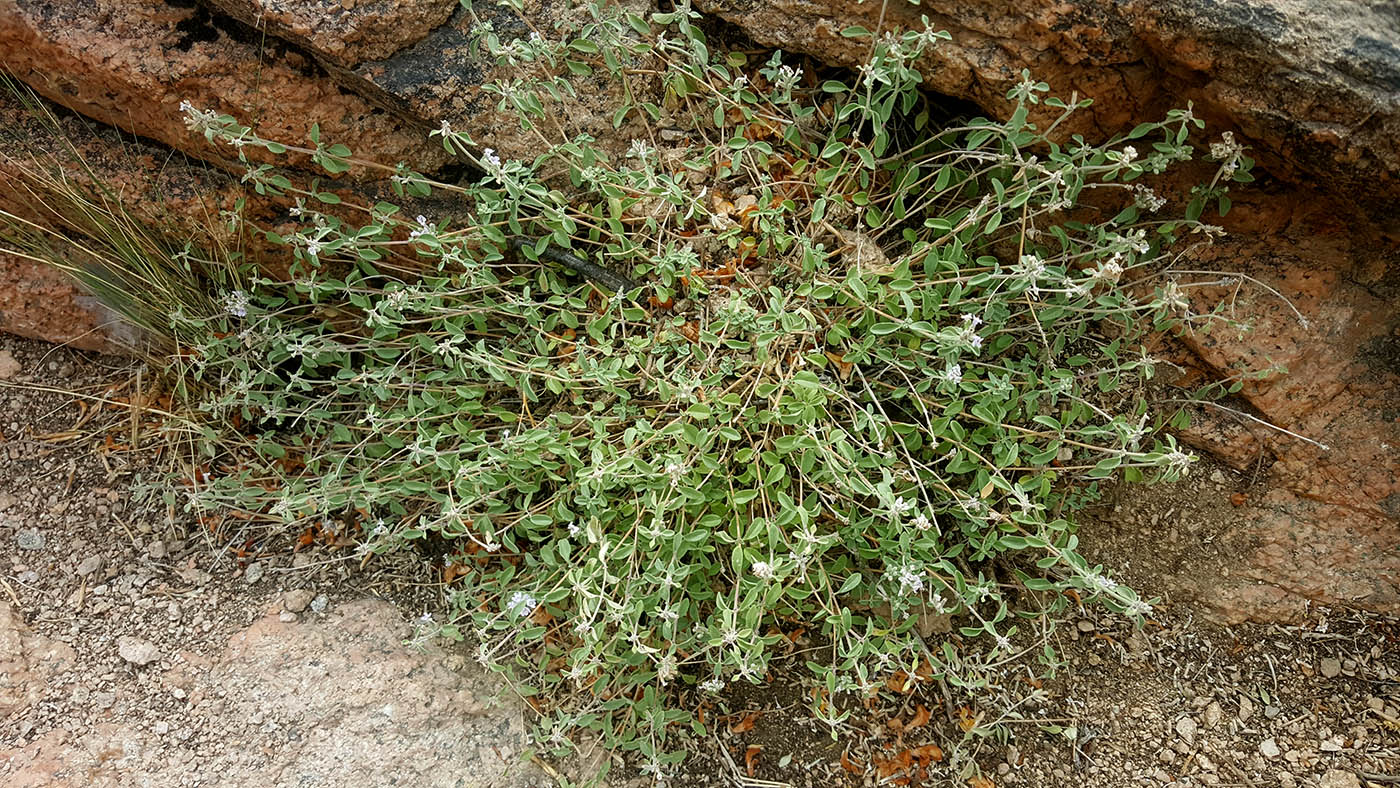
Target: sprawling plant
(826, 365)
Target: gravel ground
(145, 640)
(140, 646)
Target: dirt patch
(142, 646)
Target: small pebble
(253, 573)
(296, 600)
(1212, 715)
(1269, 748)
(1186, 729)
(1339, 778)
(1246, 709)
(137, 651)
(157, 549)
(318, 605)
(30, 539)
(1086, 626)
(89, 565)
(286, 616)
(1330, 667)
(9, 367)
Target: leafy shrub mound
(867, 358)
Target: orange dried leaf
(899, 763)
(929, 753)
(751, 758)
(843, 367)
(980, 782)
(746, 724)
(898, 682)
(967, 718)
(849, 765)
(921, 718)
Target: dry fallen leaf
(967, 719)
(746, 724)
(751, 758)
(921, 718)
(929, 753)
(849, 765)
(843, 367)
(899, 763)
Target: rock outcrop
(1314, 88)
(1327, 527)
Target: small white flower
(762, 570)
(900, 506)
(921, 522)
(521, 604)
(1110, 270)
(971, 320)
(1101, 584)
(638, 150)
(490, 160)
(575, 528)
(1129, 154)
(1003, 642)
(1179, 461)
(445, 129)
(1174, 298)
(313, 247)
(909, 580)
(666, 670)
(236, 303)
(1137, 607)
(1227, 148)
(1137, 241)
(1030, 267)
(712, 685)
(952, 375)
(424, 228)
(1146, 199)
(675, 470)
